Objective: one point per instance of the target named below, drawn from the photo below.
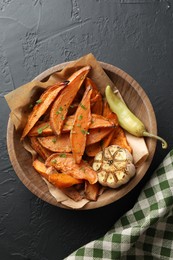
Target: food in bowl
(100, 75)
(69, 125)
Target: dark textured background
(136, 36)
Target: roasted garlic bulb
(114, 166)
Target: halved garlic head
(114, 166)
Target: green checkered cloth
(145, 231)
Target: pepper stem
(164, 143)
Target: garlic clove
(96, 166)
(102, 177)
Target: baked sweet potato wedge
(61, 105)
(92, 191)
(65, 162)
(109, 114)
(93, 149)
(42, 105)
(44, 128)
(98, 121)
(96, 97)
(40, 167)
(82, 121)
(42, 151)
(61, 143)
(73, 193)
(120, 139)
(114, 119)
(56, 143)
(60, 180)
(41, 129)
(95, 135)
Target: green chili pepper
(127, 119)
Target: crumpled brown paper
(20, 100)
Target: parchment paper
(20, 100)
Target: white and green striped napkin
(145, 231)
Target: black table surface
(135, 35)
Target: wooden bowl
(137, 101)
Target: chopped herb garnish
(62, 117)
(40, 130)
(80, 117)
(38, 101)
(59, 111)
(54, 140)
(31, 106)
(54, 161)
(83, 169)
(79, 125)
(82, 106)
(72, 106)
(62, 155)
(84, 132)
